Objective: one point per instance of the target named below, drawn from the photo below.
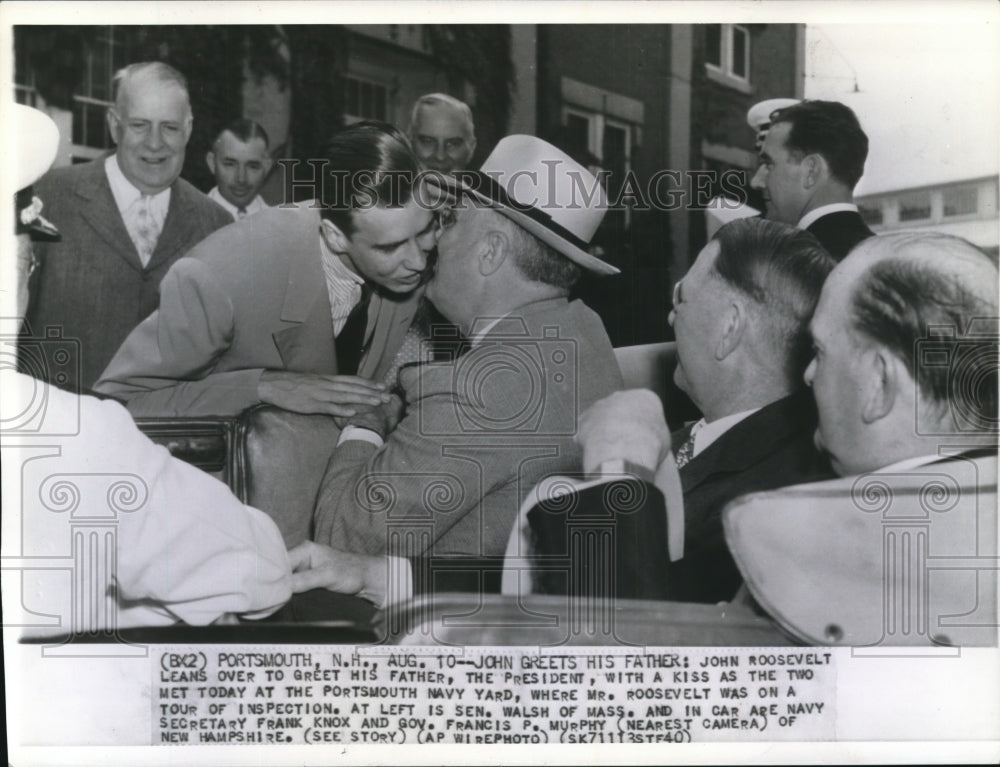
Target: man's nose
(416, 257)
(154, 138)
(810, 373)
(241, 174)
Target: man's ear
(210, 161)
(494, 251)
(333, 236)
(733, 325)
(814, 170)
(883, 377)
(114, 123)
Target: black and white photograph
(528, 382)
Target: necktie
(146, 228)
(241, 213)
(686, 451)
(350, 341)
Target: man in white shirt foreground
(240, 162)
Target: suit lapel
(388, 321)
(99, 210)
(745, 443)
(308, 343)
(179, 226)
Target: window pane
(351, 101)
(713, 44)
(915, 207)
(962, 201)
(99, 72)
(577, 135)
(871, 215)
(380, 102)
(739, 52)
(366, 100)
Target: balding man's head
(906, 350)
(442, 133)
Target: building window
(604, 144)
(365, 100)
(24, 78)
(106, 54)
(960, 201)
(727, 54)
(871, 214)
(915, 207)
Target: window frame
(724, 72)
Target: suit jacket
(478, 434)
(251, 297)
(92, 286)
(839, 232)
(769, 449)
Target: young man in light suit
(301, 306)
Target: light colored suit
(478, 434)
(251, 297)
(92, 286)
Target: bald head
(906, 350)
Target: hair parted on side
(782, 269)
(369, 164)
(917, 299)
(830, 129)
(245, 130)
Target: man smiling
(125, 219)
(295, 306)
(240, 162)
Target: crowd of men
(797, 337)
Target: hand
(311, 393)
(380, 419)
(315, 566)
(627, 425)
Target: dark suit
(839, 232)
(769, 449)
(92, 285)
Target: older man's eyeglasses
(446, 219)
(678, 296)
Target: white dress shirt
(255, 205)
(126, 195)
(834, 207)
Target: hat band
(498, 194)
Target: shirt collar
(705, 433)
(124, 192)
(834, 207)
(482, 326)
(252, 207)
(336, 268)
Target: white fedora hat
(546, 192)
(36, 141)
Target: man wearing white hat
(812, 154)
(481, 430)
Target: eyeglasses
(446, 219)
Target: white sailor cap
(759, 116)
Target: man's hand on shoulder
(312, 393)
